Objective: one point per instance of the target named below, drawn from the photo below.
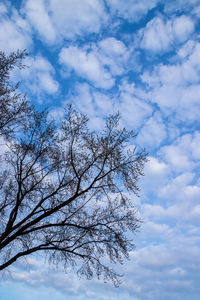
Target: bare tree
(64, 192)
(14, 108)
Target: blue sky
(143, 59)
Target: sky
(141, 58)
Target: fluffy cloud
(175, 87)
(73, 17)
(152, 133)
(156, 177)
(133, 105)
(168, 267)
(38, 77)
(176, 197)
(38, 16)
(113, 54)
(15, 32)
(98, 64)
(176, 187)
(91, 102)
(55, 20)
(184, 153)
(133, 110)
(160, 35)
(182, 196)
(86, 65)
(158, 265)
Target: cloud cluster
(175, 87)
(153, 133)
(38, 77)
(184, 154)
(160, 35)
(69, 19)
(14, 30)
(98, 63)
(37, 15)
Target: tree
(64, 192)
(14, 108)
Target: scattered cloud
(132, 104)
(133, 10)
(91, 102)
(161, 35)
(15, 32)
(153, 132)
(67, 19)
(97, 63)
(175, 87)
(38, 77)
(133, 110)
(184, 153)
(86, 65)
(38, 16)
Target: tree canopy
(64, 189)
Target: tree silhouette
(14, 108)
(64, 189)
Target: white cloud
(38, 76)
(184, 153)
(159, 35)
(174, 6)
(177, 158)
(48, 83)
(74, 17)
(153, 211)
(86, 65)
(183, 27)
(155, 257)
(186, 49)
(97, 63)
(132, 10)
(154, 230)
(154, 167)
(65, 19)
(37, 14)
(133, 110)
(14, 31)
(132, 105)
(175, 87)
(156, 35)
(152, 133)
(95, 104)
(114, 54)
(156, 177)
(181, 201)
(176, 188)
(111, 47)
